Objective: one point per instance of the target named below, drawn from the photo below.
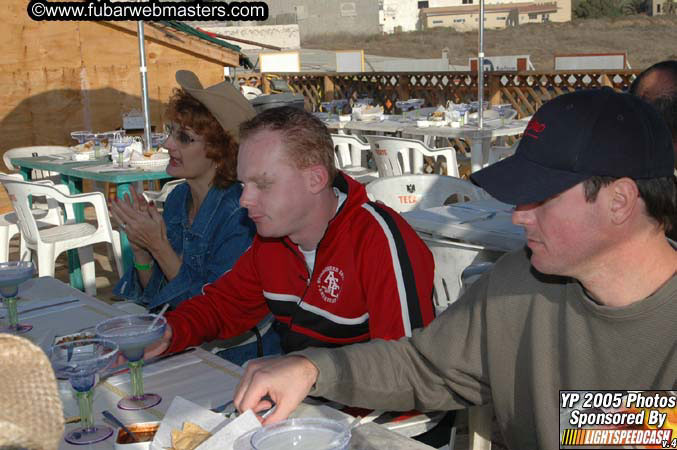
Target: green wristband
(138, 266)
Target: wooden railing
(526, 91)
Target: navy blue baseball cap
(577, 136)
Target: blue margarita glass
(80, 361)
(133, 334)
(12, 274)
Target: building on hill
(657, 7)
(321, 17)
(464, 16)
(410, 15)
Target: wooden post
(328, 88)
(403, 89)
(265, 84)
(494, 88)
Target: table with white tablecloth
(483, 222)
(198, 376)
(479, 138)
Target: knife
(37, 308)
(147, 362)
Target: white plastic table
(480, 139)
(484, 222)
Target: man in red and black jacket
(332, 267)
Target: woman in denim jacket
(202, 230)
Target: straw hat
(31, 415)
(223, 100)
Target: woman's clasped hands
(142, 222)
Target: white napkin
(224, 438)
(180, 411)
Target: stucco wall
(285, 36)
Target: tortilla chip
(190, 437)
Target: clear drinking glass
(133, 334)
(79, 361)
(12, 274)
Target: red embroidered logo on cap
(534, 128)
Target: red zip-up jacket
(373, 278)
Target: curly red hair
(220, 145)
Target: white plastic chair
(392, 156)
(39, 150)
(406, 192)
(348, 153)
(159, 197)
(9, 222)
(451, 259)
(250, 92)
(498, 152)
(49, 243)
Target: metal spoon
(117, 422)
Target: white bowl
(302, 434)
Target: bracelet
(138, 266)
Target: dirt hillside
(644, 39)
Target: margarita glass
(366, 101)
(120, 144)
(328, 107)
(340, 104)
(79, 361)
(416, 103)
(502, 111)
(133, 334)
(404, 106)
(157, 139)
(80, 136)
(12, 274)
(96, 138)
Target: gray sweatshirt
(514, 339)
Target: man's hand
(155, 349)
(286, 380)
(160, 346)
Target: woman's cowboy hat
(223, 100)
(31, 414)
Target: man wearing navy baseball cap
(589, 304)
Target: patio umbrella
(480, 70)
(144, 85)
